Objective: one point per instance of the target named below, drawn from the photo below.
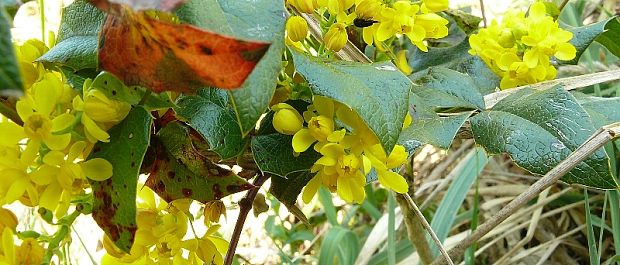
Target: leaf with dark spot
(181, 171)
(114, 207)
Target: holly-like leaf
(76, 46)
(606, 32)
(273, 153)
(163, 56)
(438, 132)
(378, 92)
(444, 88)
(10, 80)
(247, 19)
(114, 207)
(603, 111)
(539, 129)
(208, 113)
(286, 190)
(456, 58)
(181, 171)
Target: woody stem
(245, 205)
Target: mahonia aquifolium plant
(519, 49)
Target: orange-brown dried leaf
(141, 50)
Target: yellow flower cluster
(160, 236)
(417, 21)
(28, 252)
(519, 48)
(43, 161)
(348, 155)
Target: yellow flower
(7, 219)
(287, 119)
(383, 165)
(100, 108)
(435, 5)
(30, 252)
(320, 119)
(35, 111)
(336, 37)
(296, 28)
(92, 130)
(368, 9)
(8, 248)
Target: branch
(9, 111)
(245, 205)
(415, 230)
(569, 83)
(596, 141)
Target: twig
(484, 16)
(569, 83)
(415, 230)
(596, 141)
(561, 7)
(429, 229)
(9, 112)
(245, 205)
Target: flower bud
(102, 109)
(213, 211)
(296, 28)
(336, 37)
(368, 9)
(287, 119)
(436, 5)
(305, 6)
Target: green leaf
(261, 20)
(341, 244)
(181, 171)
(208, 113)
(378, 92)
(114, 89)
(538, 129)
(467, 22)
(603, 111)
(445, 88)
(10, 80)
(78, 37)
(455, 57)
(273, 153)
(606, 32)
(610, 37)
(288, 189)
(438, 132)
(114, 208)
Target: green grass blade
(466, 173)
(614, 204)
(470, 254)
(325, 197)
(391, 241)
(594, 257)
(340, 243)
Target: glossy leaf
(244, 20)
(115, 89)
(287, 189)
(378, 92)
(438, 132)
(208, 113)
(606, 32)
(273, 153)
(181, 171)
(444, 88)
(114, 207)
(538, 129)
(76, 46)
(603, 111)
(10, 80)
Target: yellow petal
(31, 151)
(97, 169)
(62, 122)
(76, 150)
(24, 109)
(54, 158)
(94, 129)
(45, 94)
(57, 142)
(8, 246)
(311, 188)
(397, 157)
(350, 189)
(11, 133)
(302, 140)
(393, 181)
(16, 190)
(50, 197)
(565, 51)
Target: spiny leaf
(538, 129)
(114, 208)
(247, 19)
(181, 171)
